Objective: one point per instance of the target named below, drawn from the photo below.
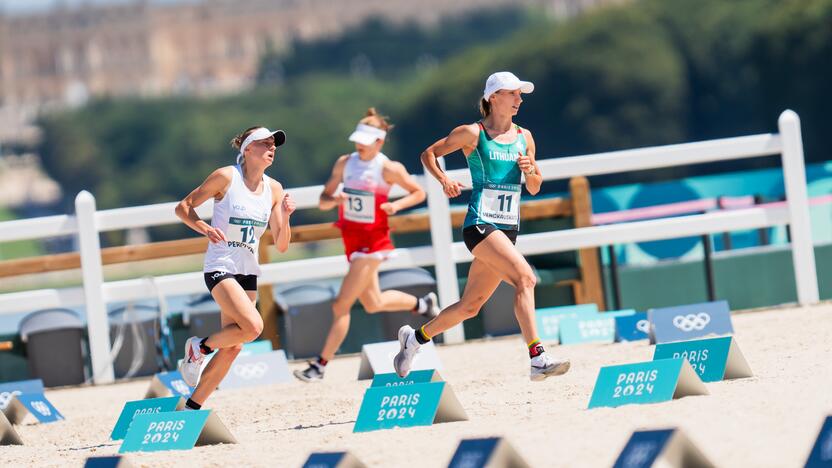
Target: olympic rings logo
(251, 371)
(6, 398)
(181, 387)
(643, 326)
(41, 408)
(691, 322)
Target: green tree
(606, 81)
(642, 73)
(131, 152)
(390, 50)
(791, 50)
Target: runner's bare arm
(462, 138)
(215, 187)
(329, 199)
(396, 173)
(528, 164)
(282, 208)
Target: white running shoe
(191, 365)
(544, 366)
(433, 306)
(408, 347)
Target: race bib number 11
(500, 203)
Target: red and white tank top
(367, 190)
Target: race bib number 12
(241, 231)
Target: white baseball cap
(505, 80)
(261, 134)
(367, 134)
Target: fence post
(441, 236)
(265, 296)
(589, 260)
(98, 326)
(797, 198)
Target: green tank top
(495, 194)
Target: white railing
(443, 254)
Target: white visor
(505, 80)
(261, 134)
(367, 134)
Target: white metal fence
(444, 254)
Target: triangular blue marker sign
(492, 452)
(166, 384)
(713, 359)
(418, 404)
(661, 448)
(632, 327)
(332, 460)
(417, 376)
(9, 389)
(148, 406)
(175, 430)
(645, 382)
(35, 404)
(821, 455)
(688, 322)
(548, 319)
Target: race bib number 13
(360, 207)
(500, 203)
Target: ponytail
(374, 119)
(238, 140)
(485, 108)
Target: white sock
(412, 341)
(422, 305)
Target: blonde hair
(238, 140)
(374, 119)
(485, 108)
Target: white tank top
(242, 216)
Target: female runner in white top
(245, 201)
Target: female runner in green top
(497, 152)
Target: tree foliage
(140, 151)
(642, 73)
(388, 50)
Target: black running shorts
(473, 235)
(248, 282)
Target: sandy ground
(771, 419)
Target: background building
(63, 56)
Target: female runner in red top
(363, 207)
